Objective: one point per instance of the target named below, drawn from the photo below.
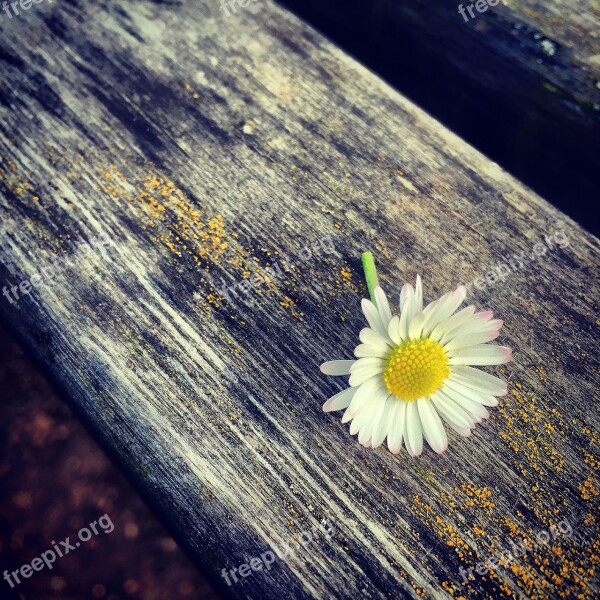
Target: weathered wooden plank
(208, 148)
(520, 81)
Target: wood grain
(207, 148)
(520, 81)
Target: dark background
(54, 480)
(489, 81)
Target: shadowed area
(54, 480)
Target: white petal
(347, 416)
(397, 426)
(363, 375)
(364, 433)
(366, 351)
(383, 306)
(382, 426)
(369, 361)
(471, 339)
(365, 368)
(360, 421)
(414, 431)
(448, 303)
(418, 295)
(430, 307)
(484, 354)
(488, 325)
(433, 430)
(372, 315)
(403, 324)
(394, 330)
(452, 412)
(408, 309)
(339, 401)
(480, 380)
(368, 336)
(337, 367)
(368, 393)
(378, 423)
(416, 326)
(464, 431)
(473, 323)
(447, 325)
(485, 399)
(406, 439)
(429, 313)
(474, 409)
(363, 421)
(404, 293)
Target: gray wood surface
(520, 80)
(208, 148)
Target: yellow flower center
(416, 369)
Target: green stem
(368, 263)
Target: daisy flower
(416, 369)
